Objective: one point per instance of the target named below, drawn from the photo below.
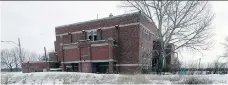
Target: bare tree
(192, 66)
(31, 56)
(15, 55)
(10, 58)
(226, 47)
(7, 60)
(217, 64)
(186, 24)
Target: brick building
(116, 44)
(125, 43)
(119, 44)
(38, 66)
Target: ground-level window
(154, 62)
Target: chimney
(110, 15)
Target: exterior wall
(147, 34)
(71, 55)
(100, 53)
(130, 69)
(52, 56)
(106, 33)
(85, 53)
(97, 53)
(37, 66)
(93, 24)
(86, 67)
(128, 46)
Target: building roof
(38, 61)
(95, 20)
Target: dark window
(154, 62)
(90, 37)
(149, 36)
(95, 37)
(100, 34)
(70, 37)
(142, 33)
(115, 43)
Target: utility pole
(19, 44)
(45, 57)
(97, 16)
(199, 64)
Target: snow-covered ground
(90, 78)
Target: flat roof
(38, 61)
(94, 20)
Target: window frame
(92, 33)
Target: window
(142, 33)
(149, 36)
(70, 37)
(145, 36)
(115, 43)
(94, 35)
(154, 62)
(145, 52)
(91, 35)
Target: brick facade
(118, 45)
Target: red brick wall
(30, 67)
(152, 27)
(71, 55)
(85, 51)
(100, 53)
(86, 67)
(99, 23)
(78, 36)
(129, 44)
(106, 33)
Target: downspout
(117, 48)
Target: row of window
(146, 34)
(146, 52)
(147, 65)
(90, 35)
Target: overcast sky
(35, 21)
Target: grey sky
(34, 22)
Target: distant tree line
(10, 58)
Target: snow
(19, 78)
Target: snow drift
(90, 78)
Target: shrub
(196, 80)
